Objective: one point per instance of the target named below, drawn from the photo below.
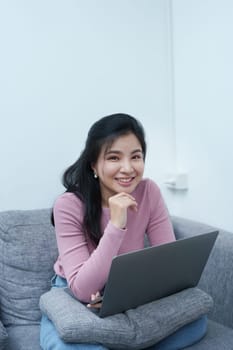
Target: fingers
(123, 194)
(95, 297)
(96, 301)
(124, 200)
(118, 205)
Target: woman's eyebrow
(137, 151)
(119, 152)
(113, 151)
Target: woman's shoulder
(147, 185)
(67, 200)
(148, 192)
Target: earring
(95, 175)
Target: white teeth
(125, 180)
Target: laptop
(142, 276)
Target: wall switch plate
(177, 181)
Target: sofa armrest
(3, 337)
(217, 277)
(187, 228)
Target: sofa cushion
(187, 228)
(3, 337)
(134, 329)
(218, 337)
(24, 337)
(217, 276)
(27, 253)
(217, 279)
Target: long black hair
(79, 177)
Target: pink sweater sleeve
(159, 230)
(85, 271)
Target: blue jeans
(184, 337)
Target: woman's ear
(94, 172)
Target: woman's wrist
(117, 225)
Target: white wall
(203, 56)
(63, 65)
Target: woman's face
(119, 167)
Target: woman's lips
(125, 181)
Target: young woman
(106, 210)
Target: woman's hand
(118, 205)
(96, 301)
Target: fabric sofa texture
(28, 251)
(3, 336)
(134, 329)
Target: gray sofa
(27, 254)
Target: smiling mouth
(125, 181)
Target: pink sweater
(85, 266)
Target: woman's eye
(137, 156)
(113, 158)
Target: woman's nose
(126, 166)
